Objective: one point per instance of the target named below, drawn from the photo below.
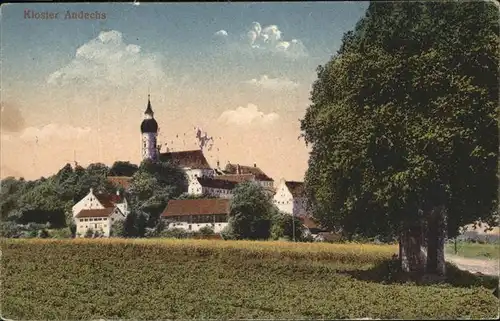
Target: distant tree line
(30, 208)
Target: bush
(207, 230)
(177, 233)
(98, 234)
(227, 232)
(89, 233)
(10, 229)
(43, 234)
(151, 232)
(62, 233)
(118, 229)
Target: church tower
(149, 132)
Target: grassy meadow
(475, 250)
(202, 279)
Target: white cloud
(107, 60)
(247, 116)
(270, 39)
(273, 83)
(50, 132)
(221, 33)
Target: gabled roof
(295, 188)
(109, 200)
(196, 207)
(235, 177)
(105, 212)
(242, 169)
(216, 183)
(186, 159)
(121, 181)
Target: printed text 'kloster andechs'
(76, 15)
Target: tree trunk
(421, 246)
(436, 237)
(411, 253)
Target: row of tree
(153, 184)
(49, 200)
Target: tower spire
(149, 109)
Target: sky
(76, 89)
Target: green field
(200, 279)
(475, 250)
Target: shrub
(177, 233)
(151, 232)
(43, 234)
(207, 230)
(227, 232)
(118, 229)
(89, 233)
(10, 229)
(62, 233)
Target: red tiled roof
(121, 181)
(186, 159)
(105, 212)
(196, 207)
(236, 178)
(241, 169)
(296, 188)
(108, 200)
(216, 183)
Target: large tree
(153, 185)
(251, 212)
(403, 125)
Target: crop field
(205, 279)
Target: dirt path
(488, 267)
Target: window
(189, 226)
(86, 220)
(105, 225)
(81, 220)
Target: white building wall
(283, 199)
(195, 227)
(89, 202)
(102, 224)
(195, 188)
(218, 192)
(268, 184)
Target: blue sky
(239, 70)
(34, 48)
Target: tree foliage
(251, 212)
(404, 118)
(288, 226)
(49, 200)
(153, 185)
(123, 168)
